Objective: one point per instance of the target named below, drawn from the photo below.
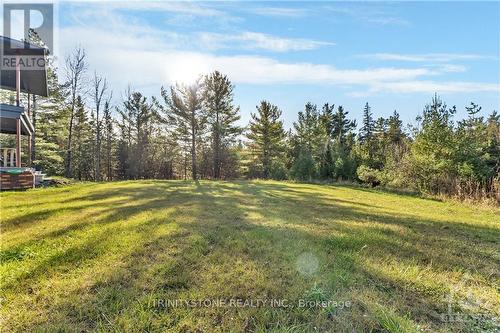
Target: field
(180, 256)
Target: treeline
(192, 131)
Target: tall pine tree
(83, 145)
(184, 112)
(366, 131)
(266, 135)
(222, 115)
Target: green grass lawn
(103, 257)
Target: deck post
(29, 107)
(18, 80)
(18, 143)
(29, 137)
(29, 152)
(33, 146)
(18, 102)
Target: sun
(186, 69)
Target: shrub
(278, 170)
(368, 175)
(304, 167)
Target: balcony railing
(8, 157)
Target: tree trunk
(67, 171)
(98, 149)
(217, 148)
(108, 157)
(193, 154)
(185, 165)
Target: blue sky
(394, 55)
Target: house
(23, 70)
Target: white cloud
(449, 68)
(124, 57)
(431, 87)
(148, 58)
(360, 12)
(279, 11)
(263, 70)
(178, 7)
(388, 21)
(429, 57)
(255, 40)
(127, 59)
(367, 13)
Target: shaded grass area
(106, 258)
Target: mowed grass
(103, 257)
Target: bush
(369, 176)
(254, 170)
(278, 170)
(304, 167)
